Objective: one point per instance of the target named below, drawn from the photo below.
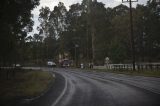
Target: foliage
(15, 22)
(103, 32)
(88, 31)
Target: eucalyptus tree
(147, 23)
(81, 23)
(15, 22)
(44, 21)
(119, 48)
(75, 34)
(151, 31)
(58, 25)
(98, 26)
(139, 20)
(52, 24)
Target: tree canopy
(15, 22)
(103, 32)
(88, 32)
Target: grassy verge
(147, 73)
(25, 84)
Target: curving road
(84, 88)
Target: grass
(25, 84)
(147, 73)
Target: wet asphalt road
(75, 87)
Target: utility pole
(131, 31)
(76, 59)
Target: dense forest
(88, 31)
(15, 22)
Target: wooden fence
(139, 66)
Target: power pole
(131, 31)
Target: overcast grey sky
(67, 3)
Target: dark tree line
(101, 32)
(87, 31)
(16, 22)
